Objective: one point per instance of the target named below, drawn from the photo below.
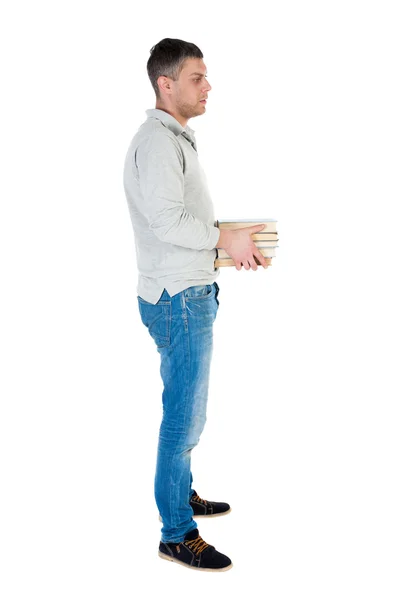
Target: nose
(208, 88)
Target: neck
(173, 113)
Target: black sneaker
(206, 508)
(195, 553)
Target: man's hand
(240, 246)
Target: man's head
(178, 76)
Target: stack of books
(266, 239)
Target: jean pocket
(157, 319)
(199, 291)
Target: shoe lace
(197, 498)
(198, 544)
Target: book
(268, 252)
(266, 239)
(270, 224)
(229, 262)
(266, 243)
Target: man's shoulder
(153, 132)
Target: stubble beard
(188, 110)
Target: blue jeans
(182, 329)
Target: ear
(164, 83)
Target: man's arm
(159, 161)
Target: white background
(302, 436)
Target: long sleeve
(159, 161)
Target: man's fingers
(253, 264)
(260, 257)
(250, 263)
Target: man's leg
(185, 371)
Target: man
(176, 239)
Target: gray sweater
(170, 208)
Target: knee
(195, 431)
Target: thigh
(157, 319)
(192, 311)
(200, 310)
(185, 363)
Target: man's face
(191, 87)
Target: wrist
(224, 238)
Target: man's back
(170, 207)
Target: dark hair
(167, 58)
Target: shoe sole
(205, 516)
(179, 562)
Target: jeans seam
(186, 375)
